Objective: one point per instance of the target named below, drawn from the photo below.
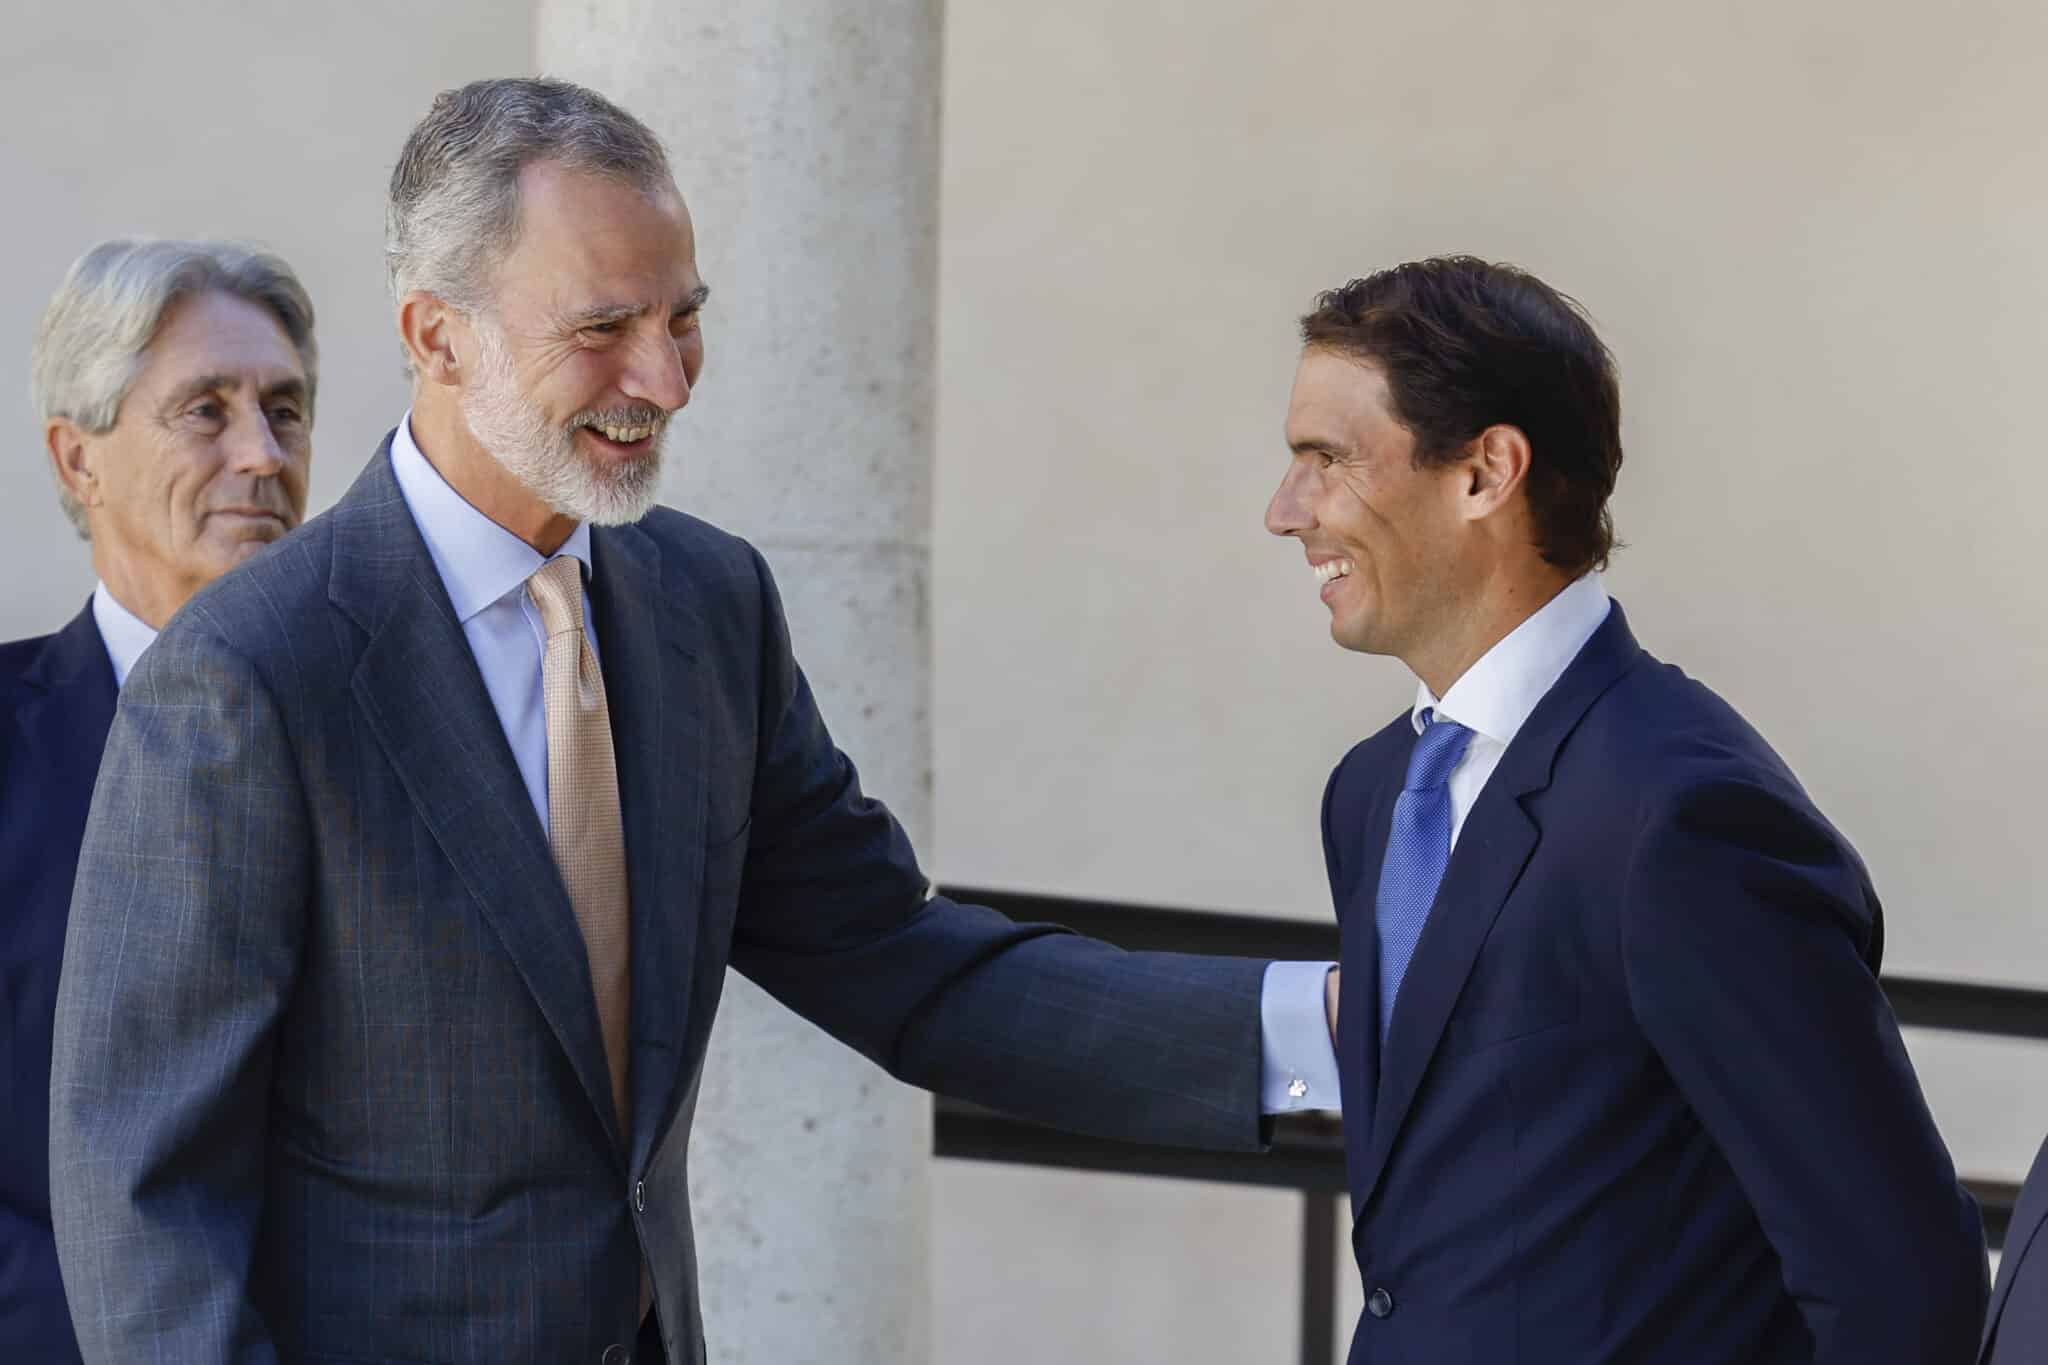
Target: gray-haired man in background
(174, 381)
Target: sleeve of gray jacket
(185, 928)
(833, 919)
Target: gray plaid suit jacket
(328, 1082)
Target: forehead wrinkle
(202, 383)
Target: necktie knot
(1437, 751)
(557, 590)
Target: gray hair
(93, 338)
(454, 208)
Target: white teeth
(1333, 569)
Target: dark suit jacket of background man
(329, 1082)
(2016, 1328)
(57, 697)
(1643, 1099)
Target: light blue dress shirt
(1300, 1059)
(485, 568)
(1498, 693)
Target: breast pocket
(1505, 1006)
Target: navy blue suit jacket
(57, 699)
(2016, 1328)
(329, 1083)
(1641, 1098)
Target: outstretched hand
(1330, 1001)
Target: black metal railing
(1307, 1152)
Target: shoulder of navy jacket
(1531, 760)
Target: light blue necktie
(1418, 849)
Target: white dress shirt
(1492, 700)
(124, 633)
(1497, 694)
(484, 568)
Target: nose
(658, 375)
(254, 448)
(1292, 509)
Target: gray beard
(543, 456)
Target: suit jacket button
(1380, 1303)
(639, 1200)
(615, 1354)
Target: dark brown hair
(1466, 345)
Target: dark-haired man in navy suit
(1619, 1083)
(175, 384)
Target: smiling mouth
(636, 438)
(1329, 574)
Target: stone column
(804, 135)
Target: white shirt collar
(1497, 694)
(480, 561)
(125, 634)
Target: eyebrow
(624, 312)
(1313, 446)
(293, 388)
(288, 388)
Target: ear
(432, 331)
(1496, 465)
(71, 457)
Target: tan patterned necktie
(584, 826)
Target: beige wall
(1812, 234)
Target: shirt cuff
(1300, 1065)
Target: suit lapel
(2028, 1218)
(657, 733)
(65, 709)
(1493, 849)
(70, 695)
(419, 688)
(1358, 1031)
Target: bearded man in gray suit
(423, 841)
